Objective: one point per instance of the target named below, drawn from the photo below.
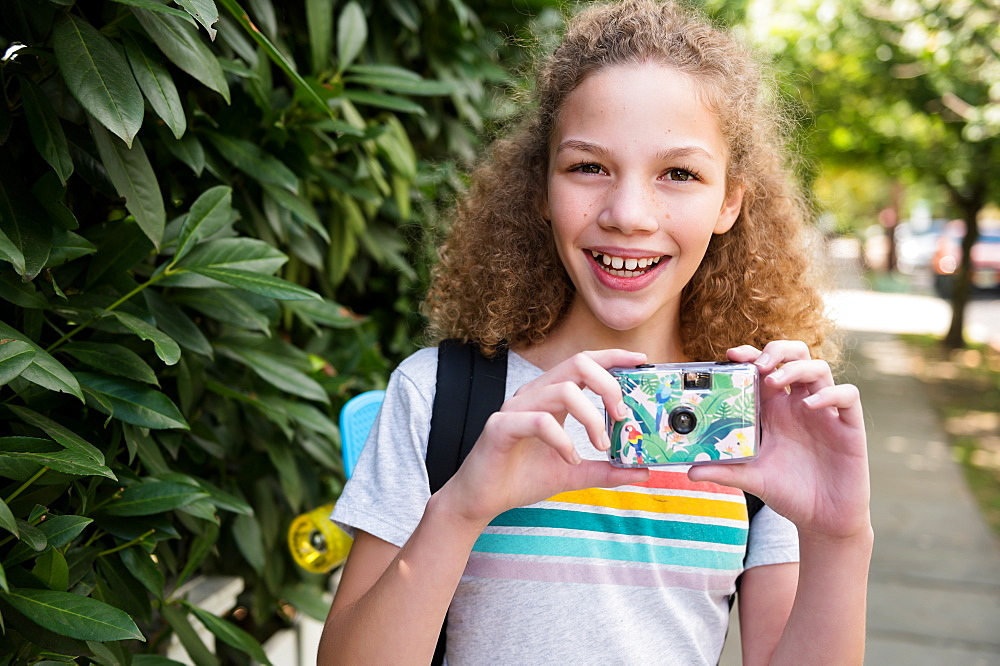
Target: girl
(641, 205)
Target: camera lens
(683, 420)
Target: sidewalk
(934, 588)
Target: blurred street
(934, 587)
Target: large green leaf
(352, 32)
(299, 207)
(21, 293)
(73, 615)
(133, 402)
(229, 306)
(58, 432)
(174, 322)
(402, 84)
(44, 370)
(154, 6)
(46, 453)
(250, 541)
(203, 11)
(15, 356)
(230, 634)
(252, 160)
(156, 84)
(384, 101)
(144, 569)
(189, 151)
(277, 372)
(319, 16)
(143, 499)
(217, 497)
(7, 518)
(133, 176)
(98, 76)
(276, 56)
(189, 638)
(248, 254)
(50, 568)
(199, 550)
(184, 48)
(113, 359)
(265, 285)
(60, 530)
(46, 130)
(165, 347)
(67, 246)
(25, 233)
(208, 214)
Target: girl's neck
(577, 333)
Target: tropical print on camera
(723, 419)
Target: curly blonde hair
(499, 280)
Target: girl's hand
(524, 455)
(813, 462)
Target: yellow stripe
(688, 506)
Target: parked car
(985, 258)
(915, 246)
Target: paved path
(934, 588)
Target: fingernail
(778, 375)
(810, 400)
(605, 442)
(622, 411)
(762, 360)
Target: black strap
(469, 385)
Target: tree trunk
(970, 206)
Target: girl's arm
(812, 469)
(391, 601)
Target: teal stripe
(630, 525)
(517, 544)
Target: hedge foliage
(196, 201)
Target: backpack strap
(470, 387)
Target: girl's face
(636, 188)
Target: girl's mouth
(625, 267)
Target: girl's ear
(731, 208)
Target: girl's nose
(630, 208)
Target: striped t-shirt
(635, 574)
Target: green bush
(193, 209)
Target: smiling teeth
(625, 266)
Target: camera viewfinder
(697, 381)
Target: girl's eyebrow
(585, 146)
(666, 155)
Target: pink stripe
(480, 566)
(668, 480)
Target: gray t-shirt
(631, 575)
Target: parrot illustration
(635, 440)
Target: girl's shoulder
(418, 371)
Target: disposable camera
(686, 413)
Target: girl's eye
(680, 175)
(588, 168)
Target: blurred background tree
(897, 92)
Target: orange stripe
(687, 506)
